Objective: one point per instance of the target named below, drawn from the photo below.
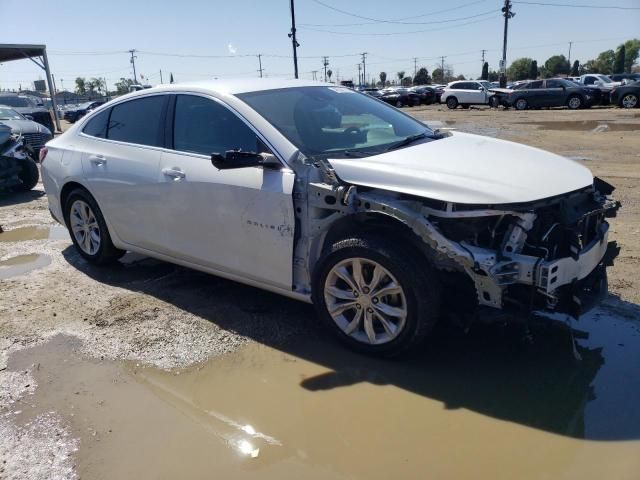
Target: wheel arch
(371, 223)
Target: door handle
(97, 160)
(174, 173)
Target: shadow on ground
(11, 198)
(488, 370)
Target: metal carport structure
(38, 55)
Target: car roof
(234, 86)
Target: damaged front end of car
(541, 257)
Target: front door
(238, 221)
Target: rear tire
(387, 308)
(29, 175)
(88, 229)
(399, 104)
(452, 103)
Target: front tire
(28, 175)
(630, 100)
(452, 103)
(574, 102)
(88, 229)
(521, 104)
(399, 104)
(375, 297)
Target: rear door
(237, 221)
(121, 157)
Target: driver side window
(203, 126)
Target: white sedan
(465, 93)
(330, 196)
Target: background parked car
(439, 91)
(467, 92)
(627, 96)
(374, 92)
(426, 93)
(400, 97)
(598, 79)
(625, 78)
(28, 105)
(553, 92)
(74, 114)
(34, 134)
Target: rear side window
(204, 126)
(97, 126)
(138, 121)
(554, 84)
(536, 84)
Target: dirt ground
(149, 370)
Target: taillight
(43, 154)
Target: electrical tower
(364, 68)
(294, 42)
(506, 11)
(260, 64)
(132, 60)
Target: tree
(575, 69)
(519, 69)
(81, 86)
(383, 78)
(329, 73)
(400, 76)
(443, 77)
(533, 70)
(406, 81)
(460, 77)
(556, 65)
(632, 50)
(96, 85)
(618, 65)
(603, 63)
(485, 71)
(422, 77)
(123, 85)
(493, 76)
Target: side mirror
(233, 159)
(28, 117)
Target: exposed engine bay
(548, 255)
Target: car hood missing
(465, 168)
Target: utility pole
(161, 82)
(364, 68)
(260, 63)
(294, 42)
(132, 60)
(106, 90)
(442, 68)
(314, 73)
(62, 83)
(53, 80)
(325, 63)
(483, 52)
(506, 11)
(415, 68)
(569, 59)
(359, 75)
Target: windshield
(485, 84)
(604, 79)
(9, 114)
(12, 101)
(333, 120)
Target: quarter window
(204, 126)
(97, 126)
(138, 121)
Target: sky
(181, 37)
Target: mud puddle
(22, 234)
(471, 408)
(595, 126)
(21, 264)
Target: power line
(429, 14)
(570, 5)
(399, 33)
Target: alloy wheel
(629, 101)
(365, 301)
(85, 227)
(575, 102)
